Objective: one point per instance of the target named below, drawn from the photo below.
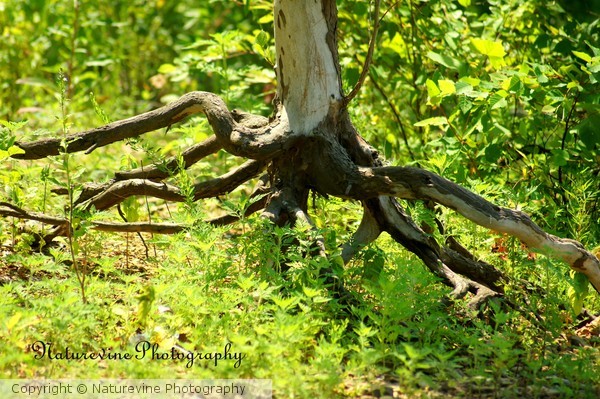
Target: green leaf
(541, 76)
(462, 87)
(432, 89)
(145, 300)
(262, 39)
(493, 152)
(464, 3)
(589, 133)
(391, 138)
(266, 19)
(493, 49)
(583, 56)
(513, 84)
(12, 322)
(435, 121)
(471, 81)
(99, 63)
(559, 157)
(38, 82)
(167, 68)
(464, 104)
(446, 87)
(15, 150)
(498, 99)
(445, 60)
(596, 50)
(397, 44)
(373, 264)
(433, 92)
(489, 47)
(548, 109)
(578, 291)
(497, 102)
(594, 65)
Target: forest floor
(142, 259)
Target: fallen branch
(238, 139)
(171, 166)
(20, 213)
(140, 227)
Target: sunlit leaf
(432, 89)
(583, 56)
(435, 121)
(497, 101)
(446, 87)
(167, 68)
(396, 44)
(489, 47)
(493, 49)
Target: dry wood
(171, 167)
(238, 139)
(17, 212)
(140, 227)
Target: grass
(208, 287)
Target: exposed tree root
(237, 138)
(325, 166)
(115, 192)
(310, 145)
(363, 183)
(171, 167)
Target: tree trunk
(335, 160)
(311, 145)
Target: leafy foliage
(492, 95)
(500, 96)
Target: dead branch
(119, 191)
(91, 139)
(115, 192)
(162, 228)
(414, 183)
(255, 143)
(427, 185)
(229, 181)
(140, 227)
(193, 154)
(20, 213)
(368, 230)
(475, 269)
(170, 167)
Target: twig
(396, 114)
(20, 213)
(365, 71)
